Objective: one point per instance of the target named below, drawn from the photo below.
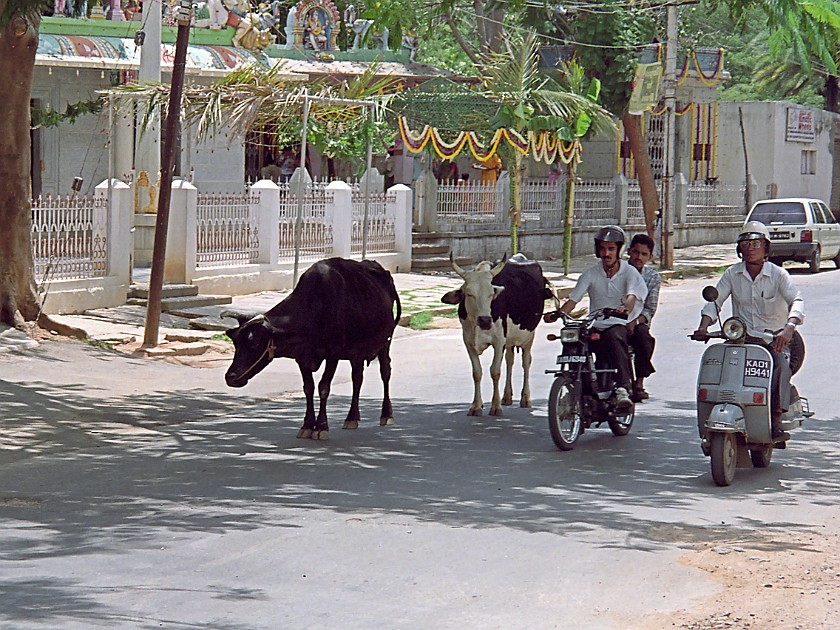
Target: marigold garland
(544, 146)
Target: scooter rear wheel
(724, 447)
(564, 414)
(620, 425)
(761, 456)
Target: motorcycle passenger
(638, 330)
(765, 298)
(611, 283)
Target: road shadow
(91, 472)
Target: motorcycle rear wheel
(564, 413)
(761, 456)
(724, 447)
(620, 425)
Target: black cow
(500, 306)
(340, 309)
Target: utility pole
(669, 162)
(147, 152)
(150, 339)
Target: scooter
(733, 399)
(581, 394)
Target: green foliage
(48, 117)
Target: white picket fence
(224, 243)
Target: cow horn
(456, 266)
(237, 315)
(499, 265)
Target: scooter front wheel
(564, 413)
(724, 448)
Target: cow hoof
(320, 435)
(351, 424)
(475, 412)
(507, 400)
(525, 402)
(304, 434)
(496, 412)
(385, 421)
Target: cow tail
(396, 298)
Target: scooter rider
(612, 283)
(765, 298)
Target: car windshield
(779, 212)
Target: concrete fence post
(340, 213)
(430, 201)
(266, 216)
(402, 224)
(181, 241)
(680, 199)
(621, 198)
(120, 242)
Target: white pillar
(120, 244)
(123, 135)
(402, 225)
(147, 158)
(340, 212)
(180, 262)
(267, 220)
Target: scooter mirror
(710, 293)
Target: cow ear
(456, 296)
(233, 333)
(497, 290)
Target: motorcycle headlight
(734, 329)
(570, 335)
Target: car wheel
(815, 262)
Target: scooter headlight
(734, 329)
(570, 335)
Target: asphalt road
(140, 494)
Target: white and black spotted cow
(500, 306)
(340, 309)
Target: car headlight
(570, 335)
(734, 329)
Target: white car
(801, 229)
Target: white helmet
(751, 231)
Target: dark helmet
(610, 234)
(751, 231)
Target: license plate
(778, 236)
(571, 358)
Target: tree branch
(462, 42)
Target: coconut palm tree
(532, 101)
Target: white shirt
(766, 303)
(606, 292)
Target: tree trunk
(516, 201)
(19, 303)
(644, 172)
(18, 297)
(568, 224)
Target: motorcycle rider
(611, 283)
(638, 329)
(765, 298)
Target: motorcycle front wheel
(724, 447)
(564, 413)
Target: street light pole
(150, 339)
(669, 162)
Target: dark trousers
(783, 369)
(611, 351)
(643, 345)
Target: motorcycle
(581, 394)
(733, 398)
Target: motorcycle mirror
(710, 293)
